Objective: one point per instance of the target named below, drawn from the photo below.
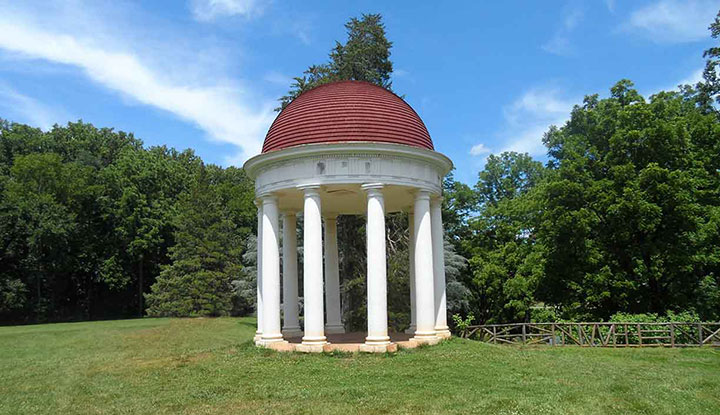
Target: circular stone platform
(353, 342)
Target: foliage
(669, 316)
(462, 324)
(628, 204)
(88, 218)
(205, 257)
(365, 56)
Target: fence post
(672, 335)
(523, 333)
(494, 334)
(627, 338)
(552, 339)
(700, 334)
(580, 334)
(640, 341)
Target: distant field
(208, 366)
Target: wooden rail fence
(600, 334)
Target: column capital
(421, 194)
(268, 198)
(330, 216)
(368, 186)
(373, 189)
(257, 202)
(289, 212)
(309, 189)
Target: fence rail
(600, 334)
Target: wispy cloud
(208, 10)
(277, 78)
(23, 108)
(223, 109)
(673, 21)
(559, 44)
(530, 116)
(610, 5)
(691, 79)
(479, 149)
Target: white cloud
(479, 149)
(530, 116)
(674, 21)
(25, 109)
(224, 110)
(695, 77)
(208, 10)
(559, 44)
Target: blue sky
(205, 74)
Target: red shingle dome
(347, 111)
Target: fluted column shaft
(270, 272)
(291, 322)
(332, 278)
(424, 284)
(376, 267)
(313, 268)
(439, 290)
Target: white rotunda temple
(346, 148)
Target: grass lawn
(209, 366)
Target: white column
(258, 269)
(411, 252)
(313, 268)
(376, 268)
(438, 236)
(291, 322)
(424, 297)
(270, 272)
(332, 277)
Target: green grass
(167, 366)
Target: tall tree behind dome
(364, 57)
(709, 88)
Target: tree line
(93, 225)
(622, 218)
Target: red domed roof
(347, 111)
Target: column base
(410, 330)
(443, 332)
(426, 337)
(311, 347)
(335, 329)
(378, 348)
(314, 340)
(271, 338)
(258, 336)
(377, 340)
